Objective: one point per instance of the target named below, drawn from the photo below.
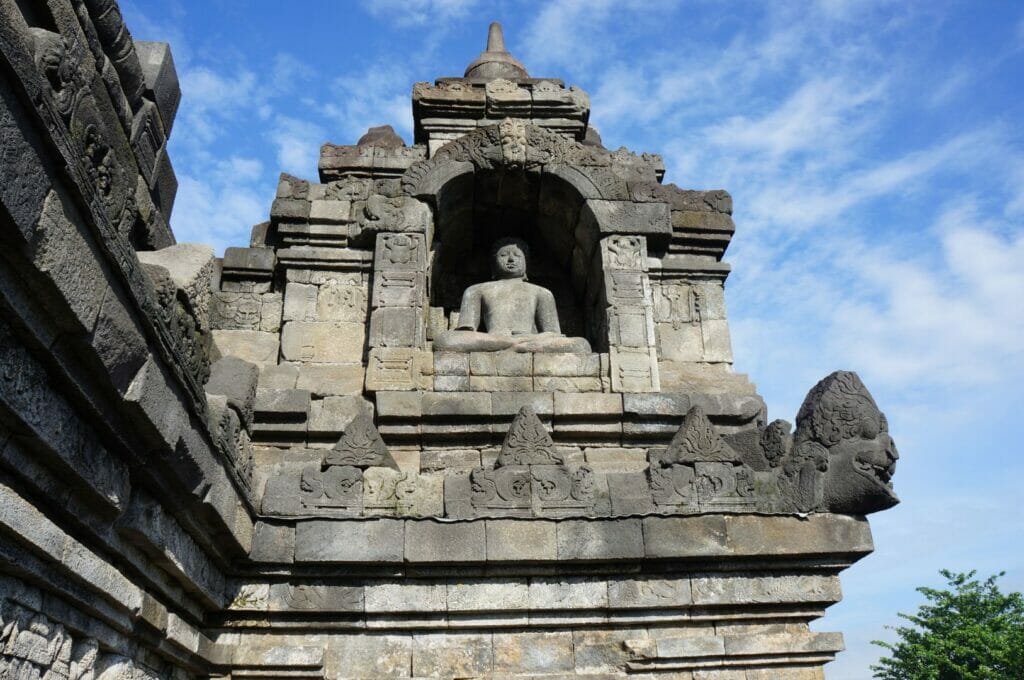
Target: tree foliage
(971, 631)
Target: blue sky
(874, 151)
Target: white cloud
(410, 13)
(219, 207)
(820, 109)
(380, 95)
(298, 145)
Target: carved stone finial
(697, 441)
(527, 442)
(383, 136)
(361, 446)
(496, 61)
(495, 38)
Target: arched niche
(589, 239)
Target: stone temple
(460, 409)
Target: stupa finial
(495, 38)
(496, 61)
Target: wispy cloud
(380, 95)
(414, 13)
(298, 145)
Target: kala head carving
(842, 435)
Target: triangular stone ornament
(361, 446)
(527, 442)
(697, 441)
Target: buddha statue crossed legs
(508, 313)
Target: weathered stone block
(474, 595)
(649, 592)
(784, 643)
(235, 379)
(396, 327)
(279, 377)
(282, 404)
(626, 217)
(431, 541)
(510, 403)
(273, 543)
(399, 368)
(252, 261)
(324, 342)
(814, 535)
(634, 369)
(511, 540)
(255, 347)
(690, 646)
(629, 492)
(600, 540)
(447, 459)
(479, 383)
(330, 211)
(324, 380)
(508, 364)
(717, 344)
(684, 343)
(400, 404)
(451, 363)
(567, 365)
(456, 404)
(366, 657)
(563, 384)
(300, 302)
(399, 289)
(377, 540)
(118, 341)
(460, 655)
(341, 302)
(402, 493)
(546, 652)
(745, 590)
(331, 415)
(451, 383)
(568, 404)
(568, 593)
(319, 597)
(161, 79)
(703, 535)
(405, 596)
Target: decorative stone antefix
(630, 313)
(529, 479)
(527, 442)
(699, 472)
(339, 483)
(361, 446)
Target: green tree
(970, 632)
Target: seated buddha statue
(508, 313)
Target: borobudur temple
(460, 409)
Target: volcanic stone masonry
(460, 409)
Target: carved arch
(514, 145)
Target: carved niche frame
(604, 237)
